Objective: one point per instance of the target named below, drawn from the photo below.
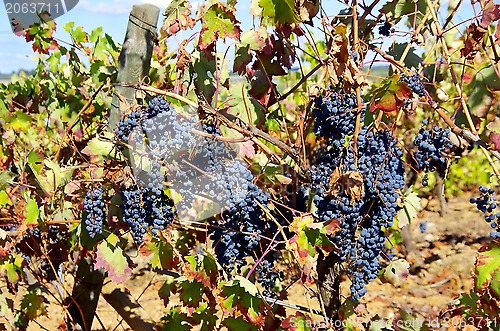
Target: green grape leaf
(397, 9)
(33, 303)
(279, 11)
(410, 209)
(31, 213)
(218, 22)
(488, 270)
(242, 295)
(411, 60)
(190, 293)
(238, 324)
(113, 260)
(4, 199)
(163, 253)
(6, 178)
(98, 149)
(202, 268)
(175, 320)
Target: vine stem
(471, 137)
(460, 93)
(355, 32)
(243, 128)
(77, 117)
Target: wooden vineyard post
(134, 64)
(135, 57)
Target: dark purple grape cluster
(93, 205)
(335, 116)
(487, 203)
(127, 125)
(378, 162)
(431, 145)
(386, 29)
(194, 166)
(414, 83)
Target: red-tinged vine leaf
(177, 17)
(495, 140)
(396, 272)
(42, 37)
(262, 90)
(33, 304)
(238, 324)
(98, 149)
(474, 42)
(203, 268)
(491, 13)
(162, 251)
(487, 271)
(391, 95)
(247, 149)
(218, 22)
(297, 322)
(497, 34)
(309, 237)
(113, 260)
(241, 297)
(279, 11)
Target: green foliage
(55, 146)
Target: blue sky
(112, 15)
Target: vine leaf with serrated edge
(218, 22)
(177, 17)
(310, 236)
(111, 258)
(487, 271)
(391, 95)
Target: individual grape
(414, 83)
(422, 226)
(93, 205)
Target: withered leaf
(474, 41)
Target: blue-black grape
(414, 83)
(365, 195)
(487, 204)
(385, 29)
(431, 145)
(93, 205)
